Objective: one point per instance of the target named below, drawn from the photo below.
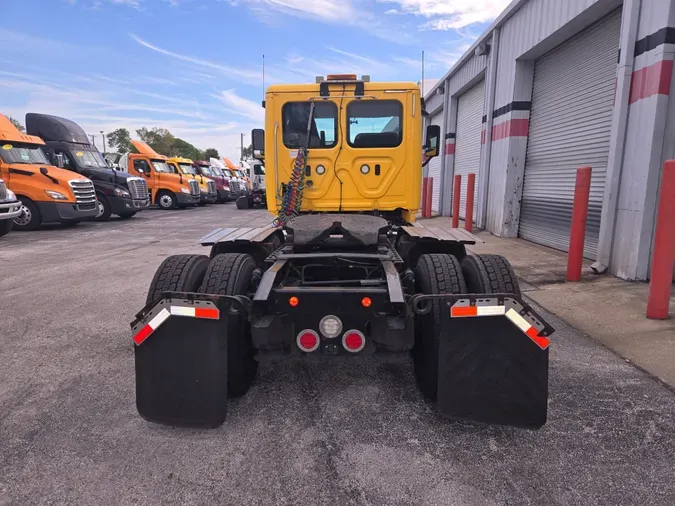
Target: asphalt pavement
(356, 432)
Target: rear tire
(434, 274)
(242, 203)
(489, 274)
(5, 227)
(231, 274)
(177, 273)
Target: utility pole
(103, 135)
(242, 147)
(93, 142)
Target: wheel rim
(101, 208)
(25, 217)
(165, 201)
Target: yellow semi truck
(47, 194)
(342, 271)
(208, 194)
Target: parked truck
(222, 182)
(256, 174)
(343, 271)
(47, 194)
(208, 193)
(10, 208)
(167, 189)
(67, 146)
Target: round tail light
(330, 326)
(353, 341)
(308, 341)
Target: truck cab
(67, 146)
(10, 208)
(208, 193)
(48, 194)
(167, 189)
(218, 177)
(256, 174)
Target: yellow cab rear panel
(365, 152)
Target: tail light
(353, 341)
(308, 341)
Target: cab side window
(68, 162)
(141, 165)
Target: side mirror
(431, 146)
(44, 171)
(258, 143)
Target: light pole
(93, 141)
(103, 135)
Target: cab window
(323, 130)
(374, 123)
(142, 165)
(259, 170)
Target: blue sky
(195, 66)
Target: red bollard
(430, 196)
(455, 200)
(468, 215)
(663, 258)
(425, 184)
(582, 192)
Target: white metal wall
(435, 167)
(470, 107)
(570, 126)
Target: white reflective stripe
(182, 311)
(490, 310)
(518, 320)
(159, 319)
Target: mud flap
(181, 360)
(493, 361)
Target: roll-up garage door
(435, 166)
(570, 123)
(468, 143)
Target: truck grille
(194, 187)
(85, 196)
(234, 186)
(3, 190)
(211, 185)
(138, 188)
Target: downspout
(630, 20)
(492, 87)
(444, 205)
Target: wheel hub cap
(165, 201)
(24, 218)
(100, 208)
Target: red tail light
(308, 341)
(353, 341)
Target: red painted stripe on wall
(483, 136)
(652, 80)
(450, 149)
(511, 128)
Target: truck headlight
(56, 195)
(185, 190)
(122, 193)
(10, 194)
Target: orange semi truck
(47, 194)
(167, 189)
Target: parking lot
(354, 432)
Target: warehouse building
(551, 86)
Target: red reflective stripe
(460, 311)
(143, 334)
(650, 81)
(450, 149)
(209, 313)
(541, 341)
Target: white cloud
(452, 14)
(242, 106)
(327, 10)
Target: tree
(159, 139)
(17, 124)
(183, 148)
(247, 152)
(120, 139)
(211, 153)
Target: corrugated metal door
(435, 166)
(570, 123)
(470, 110)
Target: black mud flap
(181, 360)
(493, 361)
(242, 202)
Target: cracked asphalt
(355, 432)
